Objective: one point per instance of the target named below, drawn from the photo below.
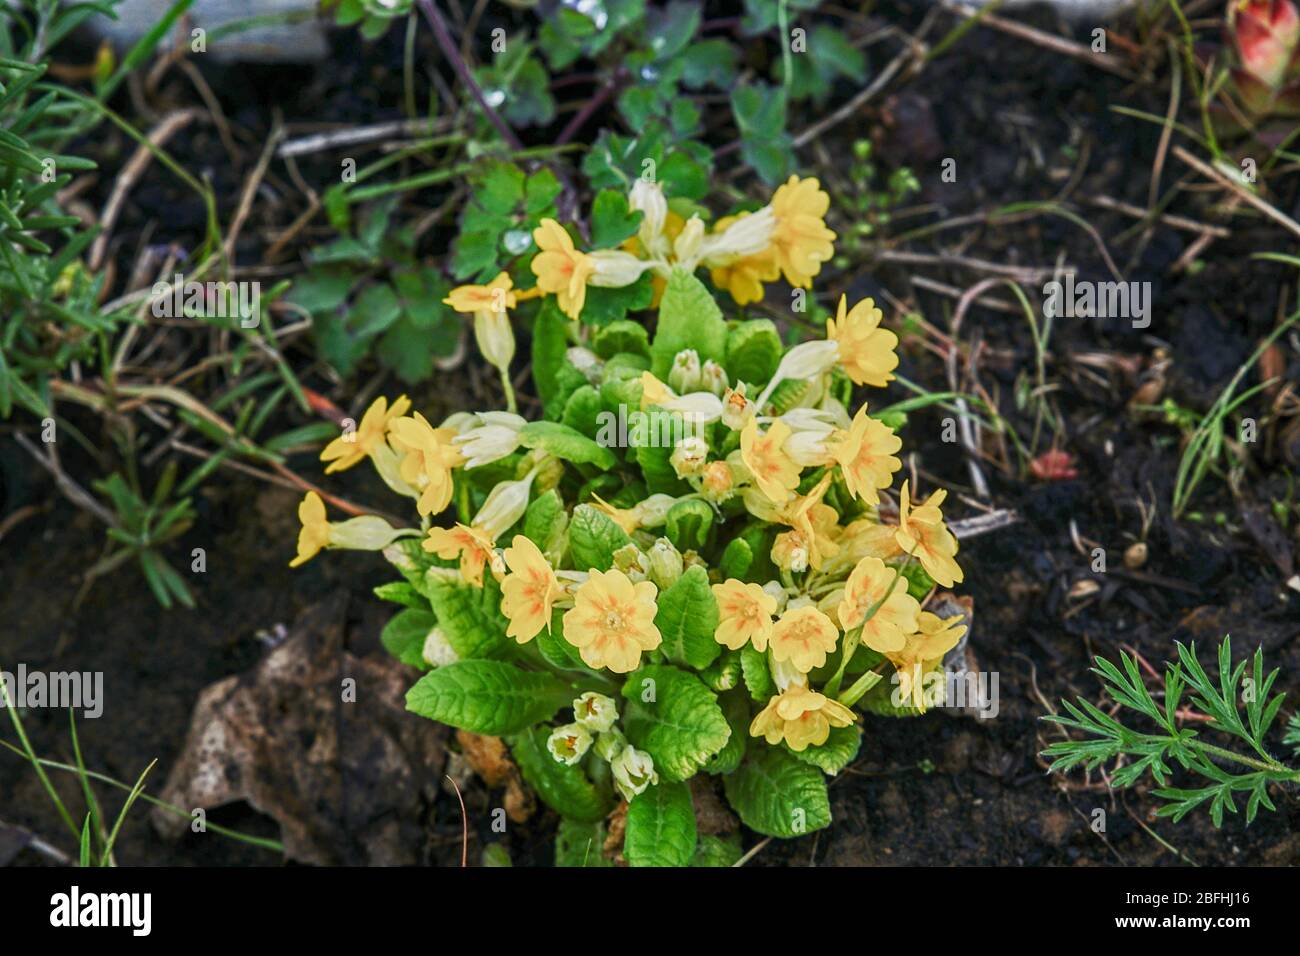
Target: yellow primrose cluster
(840, 584)
(787, 237)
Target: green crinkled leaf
(550, 343)
(681, 727)
(555, 648)
(412, 561)
(713, 851)
(753, 351)
(787, 395)
(405, 633)
(687, 618)
(736, 559)
(777, 795)
(565, 789)
(758, 677)
(545, 521)
(688, 319)
(621, 336)
(611, 219)
(919, 583)
(582, 411)
(579, 844)
(402, 592)
(653, 434)
(606, 305)
(687, 524)
(567, 444)
(593, 539)
(736, 709)
(840, 750)
(470, 617)
(624, 363)
(487, 697)
(724, 674)
(661, 827)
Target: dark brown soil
(944, 790)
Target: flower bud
(495, 436)
(596, 712)
(684, 376)
(550, 472)
(808, 449)
(615, 268)
(569, 744)
(495, 337)
(690, 456)
(686, 247)
(698, 408)
(806, 361)
(718, 483)
(653, 512)
(648, 197)
(737, 410)
(790, 552)
(505, 505)
(634, 772)
(665, 563)
(713, 378)
(632, 562)
(367, 533)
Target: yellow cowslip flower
(496, 296)
(800, 240)
(866, 350)
(865, 454)
(612, 621)
(865, 538)
(894, 619)
(774, 471)
(649, 513)
(472, 545)
(923, 649)
(801, 717)
(529, 591)
(921, 531)
(813, 525)
(346, 450)
(744, 615)
(362, 533)
(560, 268)
(744, 276)
(315, 533)
(489, 304)
(803, 637)
(429, 455)
(654, 392)
(817, 522)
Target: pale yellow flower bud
(684, 376)
(690, 456)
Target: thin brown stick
(1223, 179)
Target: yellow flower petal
(612, 621)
